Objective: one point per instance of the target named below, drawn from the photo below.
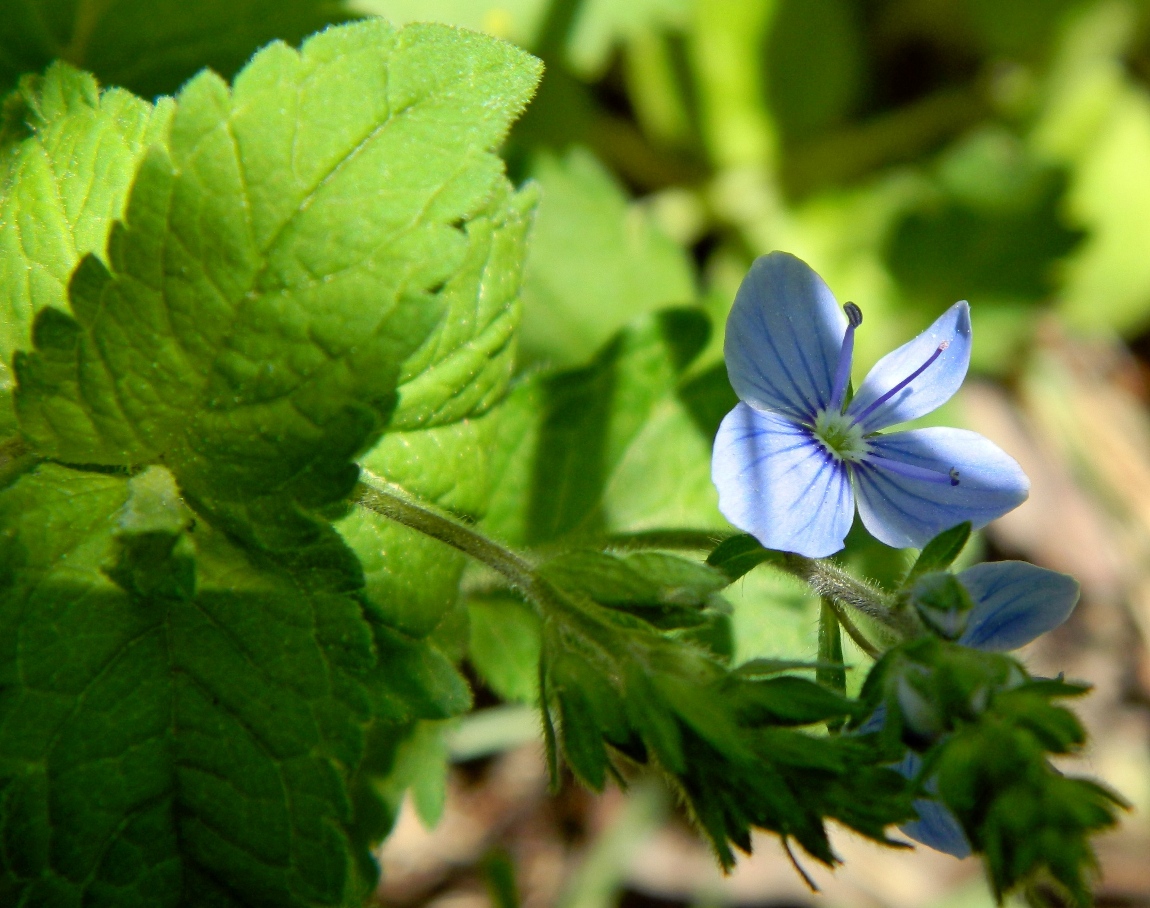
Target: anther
(854, 314)
(953, 476)
(859, 418)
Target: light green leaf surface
(505, 645)
(596, 262)
(441, 438)
(151, 46)
(573, 442)
(181, 734)
(279, 263)
(68, 154)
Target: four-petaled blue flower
(792, 456)
(1014, 603)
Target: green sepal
(739, 555)
(939, 553)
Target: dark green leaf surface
(147, 46)
(179, 725)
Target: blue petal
(934, 387)
(779, 484)
(783, 339)
(936, 826)
(905, 511)
(1014, 602)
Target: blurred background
(914, 152)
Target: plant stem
(831, 582)
(852, 630)
(675, 540)
(380, 496)
(833, 674)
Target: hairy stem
(831, 582)
(675, 540)
(380, 496)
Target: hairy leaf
(283, 267)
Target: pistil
(846, 355)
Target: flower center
(840, 435)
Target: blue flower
(1014, 603)
(792, 457)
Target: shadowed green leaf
(168, 743)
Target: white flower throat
(841, 434)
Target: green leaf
(739, 555)
(607, 448)
(666, 590)
(814, 62)
(939, 553)
(440, 439)
(985, 731)
(65, 170)
(257, 317)
(505, 645)
(615, 687)
(596, 262)
(151, 46)
(168, 743)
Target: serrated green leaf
(256, 316)
(596, 263)
(505, 646)
(151, 46)
(440, 439)
(168, 745)
(65, 171)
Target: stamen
(846, 354)
(902, 384)
(950, 477)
